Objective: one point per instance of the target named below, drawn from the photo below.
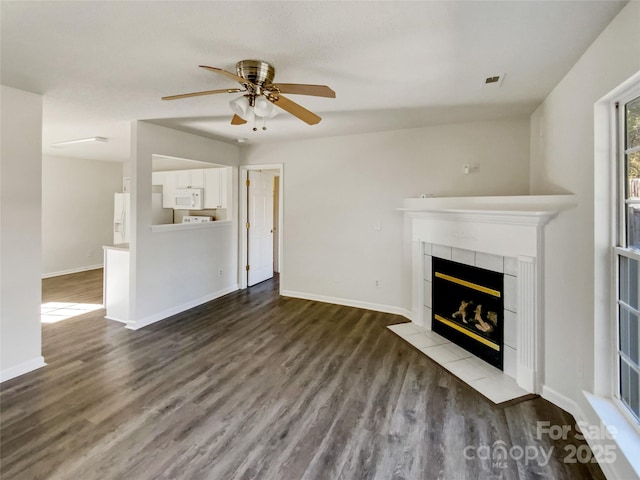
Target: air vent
(493, 80)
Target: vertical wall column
(417, 282)
(527, 324)
(20, 240)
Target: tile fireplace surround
(504, 234)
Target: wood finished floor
(254, 386)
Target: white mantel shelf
(516, 210)
(530, 205)
(513, 217)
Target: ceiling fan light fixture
(263, 107)
(240, 106)
(250, 116)
(273, 111)
(261, 94)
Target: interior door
(260, 231)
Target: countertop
(120, 246)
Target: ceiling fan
(260, 94)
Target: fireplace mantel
(508, 226)
(505, 226)
(506, 204)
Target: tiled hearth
(485, 379)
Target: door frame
(242, 235)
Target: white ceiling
(392, 64)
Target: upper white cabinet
(215, 188)
(212, 180)
(189, 178)
(223, 187)
(196, 178)
(182, 178)
(168, 182)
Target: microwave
(188, 199)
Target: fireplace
(502, 234)
(468, 308)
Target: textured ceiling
(393, 65)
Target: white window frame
(620, 238)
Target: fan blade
(197, 94)
(294, 109)
(303, 89)
(230, 75)
(236, 120)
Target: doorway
(261, 214)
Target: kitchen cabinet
(182, 178)
(215, 188)
(213, 181)
(196, 178)
(223, 187)
(168, 182)
(189, 178)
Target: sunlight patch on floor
(53, 312)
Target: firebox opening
(468, 308)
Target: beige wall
(172, 271)
(77, 212)
(567, 157)
(20, 231)
(337, 189)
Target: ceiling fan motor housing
(256, 71)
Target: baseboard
(406, 313)
(572, 407)
(115, 319)
(156, 317)
(561, 401)
(22, 368)
(72, 270)
(376, 307)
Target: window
(628, 258)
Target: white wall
(337, 189)
(175, 270)
(20, 231)
(77, 212)
(577, 286)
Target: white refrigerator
(122, 215)
(121, 218)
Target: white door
(260, 236)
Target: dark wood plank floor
(256, 386)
